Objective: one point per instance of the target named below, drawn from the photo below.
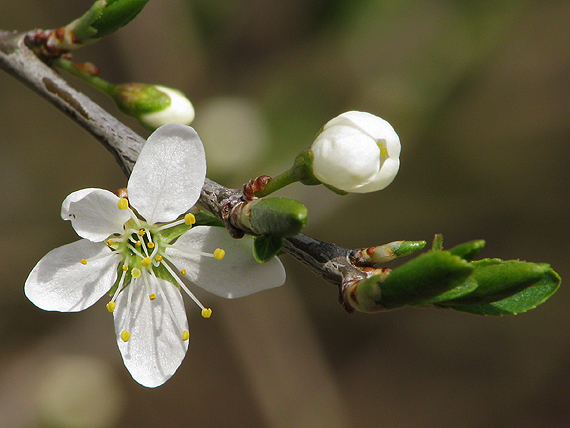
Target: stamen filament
(182, 285)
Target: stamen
(136, 273)
(125, 336)
(111, 306)
(158, 258)
(123, 204)
(185, 335)
(141, 232)
(182, 285)
(138, 243)
(125, 268)
(189, 219)
(169, 308)
(100, 256)
(206, 312)
(152, 296)
(219, 254)
(150, 245)
(183, 272)
(146, 261)
(110, 242)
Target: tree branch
(329, 261)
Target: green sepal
(106, 17)
(135, 99)
(437, 243)
(171, 233)
(424, 278)
(279, 217)
(498, 279)
(468, 250)
(266, 247)
(520, 302)
(303, 169)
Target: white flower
(356, 152)
(180, 110)
(138, 255)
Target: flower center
(144, 262)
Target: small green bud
(154, 105)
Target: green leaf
(468, 250)
(117, 14)
(278, 217)
(424, 278)
(105, 17)
(499, 279)
(467, 287)
(206, 219)
(520, 302)
(265, 247)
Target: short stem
(96, 82)
(276, 183)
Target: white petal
(94, 213)
(236, 275)
(155, 348)
(169, 174)
(180, 110)
(59, 282)
(382, 179)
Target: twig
(329, 261)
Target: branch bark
(329, 261)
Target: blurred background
(479, 92)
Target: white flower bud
(356, 152)
(179, 111)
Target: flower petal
(236, 275)
(59, 282)
(94, 213)
(169, 174)
(382, 178)
(155, 348)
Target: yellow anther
(152, 296)
(138, 243)
(136, 272)
(185, 335)
(206, 312)
(150, 245)
(219, 254)
(110, 242)
(383, 152)
(83, 261)
(125, 268)
(158, 258)
(123, 204)
(142, 232)
(111, 306)
(183, 272)
(146, 261)
(125, 336)
(189, 219)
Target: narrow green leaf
(521, 302)
(468, 250)
(266, 247)
(424, 278)
(499, 279)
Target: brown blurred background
(479, 92)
